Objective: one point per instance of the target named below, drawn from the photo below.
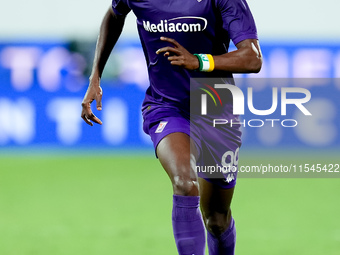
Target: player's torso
(190, 22)
(195, 24)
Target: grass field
(118, 204)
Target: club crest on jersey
(161, 126)
(179, 24)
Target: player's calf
(221, 233)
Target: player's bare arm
(110, 31)
(246, 59)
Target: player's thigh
(177, 154)
(215, 205)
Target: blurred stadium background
(67, 188)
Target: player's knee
(217, 223)
(185, 186)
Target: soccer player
(171, 32)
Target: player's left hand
(180, 56)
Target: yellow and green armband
(206, 62)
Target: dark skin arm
(246, 59)
(110, 31)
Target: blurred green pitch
(118, 204)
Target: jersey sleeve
(237, 19)
(120, 7)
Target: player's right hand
(94, 92)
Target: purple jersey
(201, 26)
(170, 105)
